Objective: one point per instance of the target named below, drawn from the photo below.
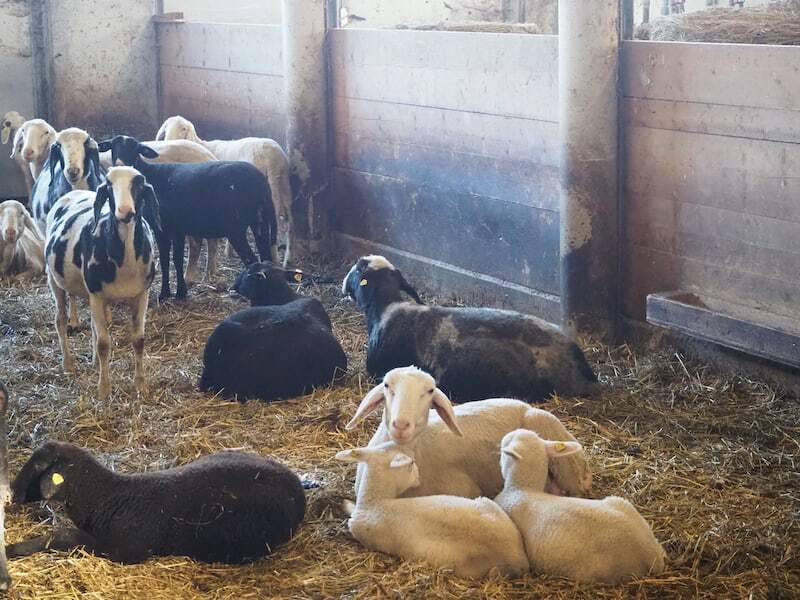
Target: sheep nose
(28, 155)
(400, 425)
(73, 173)
(125, 216)
(11, 235)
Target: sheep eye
(7, 123)
(430, 391)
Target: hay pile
(776, 23)
(477, 26)
(712, 461)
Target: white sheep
(603, 541)
(21, 244)
(472, 537)
(265, 154)
(464, 464)
(12, 121)
(180, 151)
(31, 147)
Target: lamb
(281, 347)
(107, 255)
(21, 244)
(473, 537)
(181, 151)
(463, 464)
(5, 578)
(474, 353)
(206, 200)
(593, 541)
(73, 164)
(31, 146)
(12, 122)
(263, 153)
(229, 507)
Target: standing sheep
(228, 507)
(263, 153)
(281, 347)
(21, 244)
(474, 353)
(5, 496)
(473, 537)
(593, 541)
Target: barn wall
(226, 78)
(712, 173)
(445, 159)
(104, 65)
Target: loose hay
(777, 23)
(710, 460)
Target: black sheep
(228, 507)
(5, 579)
(473, 353)
(279, 348)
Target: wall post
(306, 97)
(588, 47)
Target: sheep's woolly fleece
(710, 460)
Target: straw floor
(711, 460)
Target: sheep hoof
(164, 296)
(181, 294)
(141, 386)
(69, 364)
(104, 390)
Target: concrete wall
(712, 138)
(104, 66)
(227, 79)
(16, 83)
(254, 12)
(445, 159)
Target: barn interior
(590, 163)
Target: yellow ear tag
(560, 446)
(57, 479)
(363, 282)
(298, 277)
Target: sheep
(107, 255)
(73, 164)
(31, 146)
(474, 353)
(263, 153)
(473, 537)
(207, 200)
(181, 151)
(11, 124)
(21, 244)
(593, 541)
(5, 496)
(229, 507)
(281, 347)
(463, 464)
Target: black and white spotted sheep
(101, 246)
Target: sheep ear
(27, 484)
(511, 452)
(105, 145)
(147, 151)
(55, 155)
(406, 287)
(15, 143)
(29, 224)
(293, 275)
(152, 211)
(352, 455)
(444, 408)
(400, 460)
(92, 157)
(5, 135)
(559, 449)
(102, 196)
(162, 132)
(371, 402)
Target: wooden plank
(730, 324)
(510, 241)
(471, 72)
(517, 181)
(223, 47)
(752, 75)
(715, 119)
(747, 176)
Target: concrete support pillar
(588, 47)
(306, 93)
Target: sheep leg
(163, 260)
(229, 250)
(178, 242)
(60, 297)
(266, 250)
(5, 578)
(243, 249)
(281, 189)
(195, 246)
(211, 266)
(103, 344)
(570, 473)
(138, 317)
(74, 324)
(62, 539)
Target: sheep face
(407, 394)
(126, 150)
(42, 477)
(265, 284)
(394, 467)
(13, 221)
(12, 121)
(33, 140)
(177, 128)
(374, 278)
(77, 152)
(524, 457)
(129, 197)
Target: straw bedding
(711, 460)
(776, 23)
